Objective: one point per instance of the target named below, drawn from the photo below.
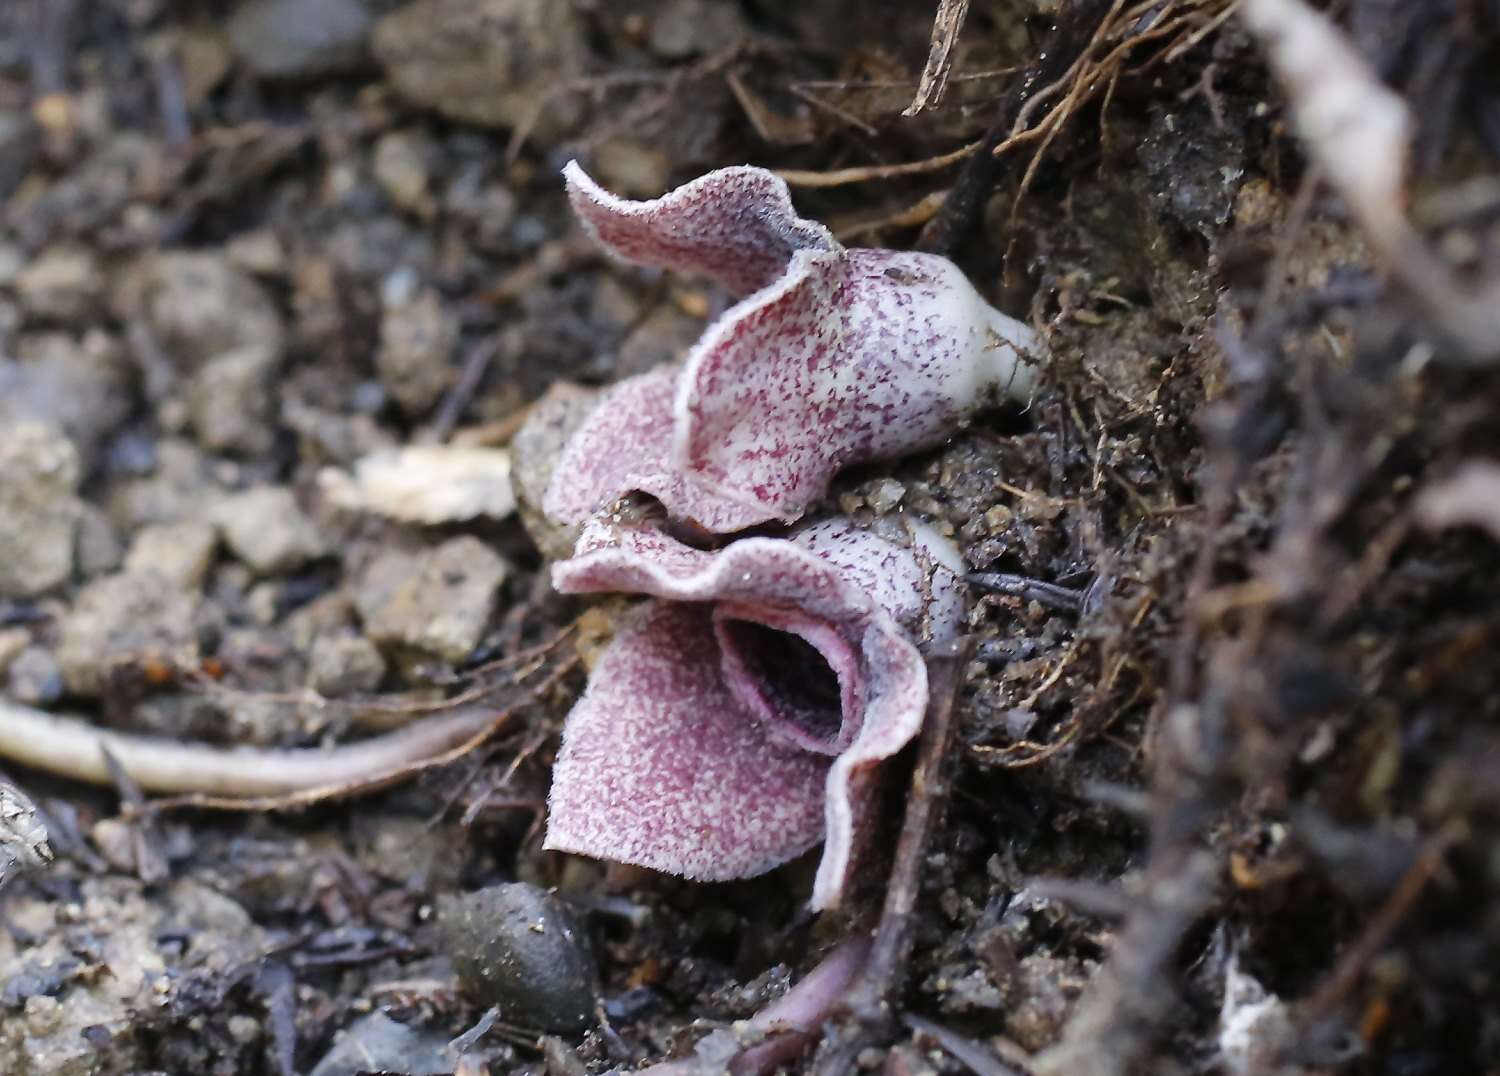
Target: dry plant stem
(75, 748)
(982, 169)
(869, 173)
(871, 1002)
(1359, 132)
(972, 1053)
(456, 400)
(1365, 948)
(377, 779)
(946, 27)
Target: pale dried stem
(946, 26)
(72, 747)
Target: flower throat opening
(791, 675)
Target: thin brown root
(843, 176)
(1183, 23)
(911, 216)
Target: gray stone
(517, 947)
(177, 486)
(125, 619)
(376, 1043)
(400, 165)
(436, 603)
(293, 39)
(345, 665)
(487, 62)
(18, 144)
(684, 28)
(200, 306)
(179, 552)
(81, 387)
(12, 642)
(417, 339)
(38, 510)
(97, 548)
(35, 678)
(885, 494)
(534, 452)
(266, 529)
(63, 283)
(230, 403)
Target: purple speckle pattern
(660, 766)
(849, 357)
(666, 760)
(625, 446)
(736, 225)
(834, 357)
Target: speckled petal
(874, 594)
(660, 766)
(624, 446)
(736, 225)
(849, 357)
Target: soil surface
(1226, 772)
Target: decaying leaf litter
(1224, 775)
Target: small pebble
(181, 552)
(376, 1043)
(437, 603)
(415, 359)
(125, 618)
(39, 473)
(266, 529)
(35, 678)
(296, 39)
(62, 284)
(345, 665)
(885, 495)
(517, 947)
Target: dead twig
(982, 169)
(476, 364)
(1380, 927)
(870, 1004)
(1358, 132)
(946, 26)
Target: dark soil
(1235, 807)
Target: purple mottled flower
(740, 717)
(831, 357)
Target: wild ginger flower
(741, 717)
(832, 357)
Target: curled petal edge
(736, 225)
(776, 572)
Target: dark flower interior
(790, 674)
